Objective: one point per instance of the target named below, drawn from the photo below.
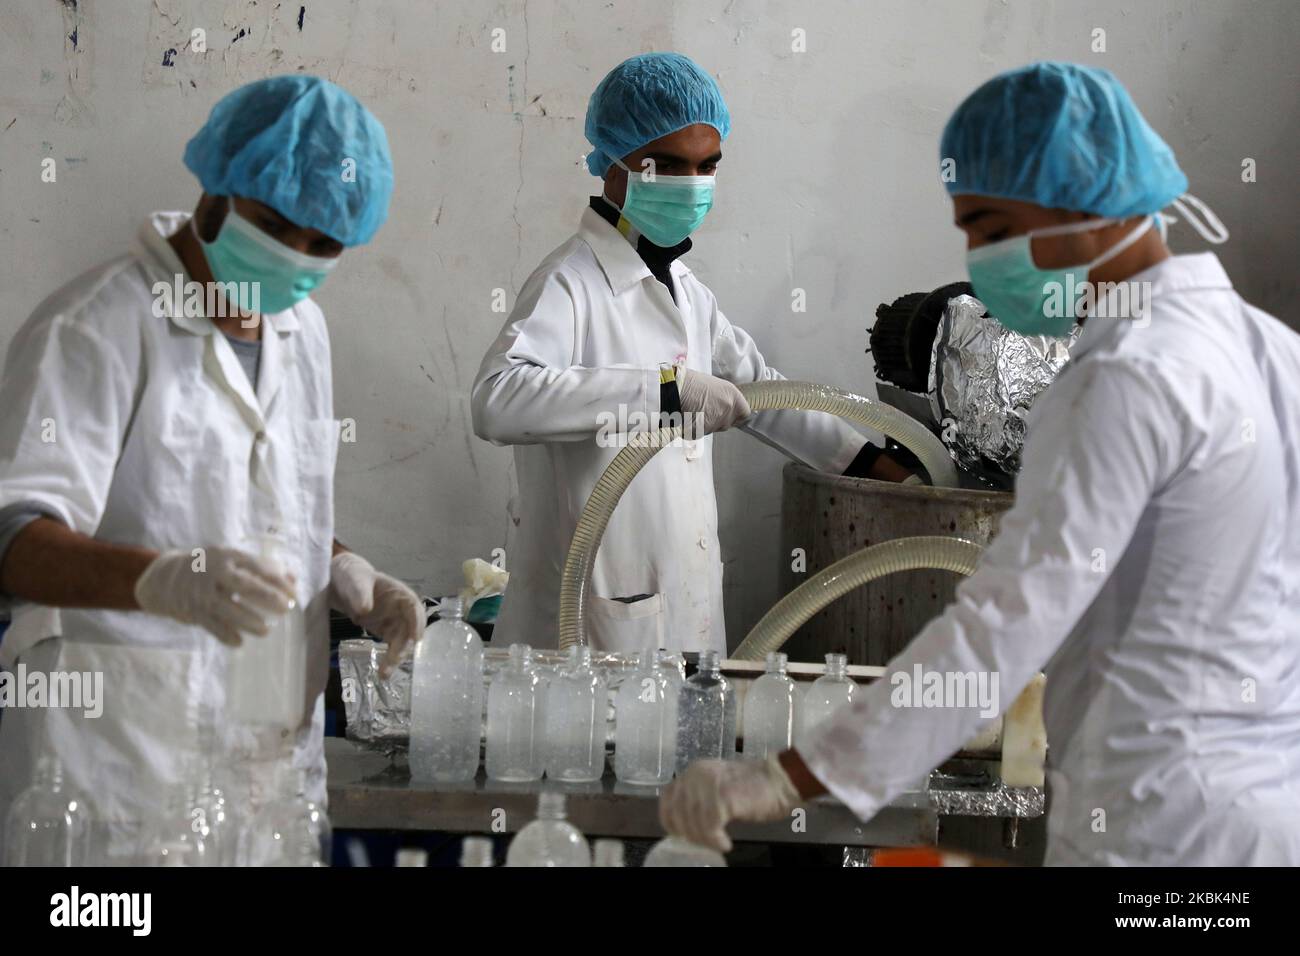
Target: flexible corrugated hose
(575, 582)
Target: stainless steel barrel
(825, 518)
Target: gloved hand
(234, 592)
(717, 401)
(912, 480)
(700, 803)
(383, 605)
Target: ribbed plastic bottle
(706, 715)
(550, 840)
(446, 699)
(645, 730)
(771, 710)
(575, 721)
(827, 695)
(48, 824)
(514, 745)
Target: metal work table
(368, 791)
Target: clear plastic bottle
(609, 853)
(828, 693)
(576, 701)
(267, 675)
(48, 824)
(222, 843)
(550, 840)
(412, 856)
(291, 830)
(674, 851)
(771, 711)
(476, 851)
(514, 751)
(446, 699)
(645, 732)
(178, 836)
(706, 715)
(673, 664)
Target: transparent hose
(575, 583)
(901, 554)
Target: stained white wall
(829, 184)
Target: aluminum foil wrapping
(379, 711)
(983, 379)
(998, 800)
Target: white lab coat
(588, 334)
(1153, 558)
(160, 442)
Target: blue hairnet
(1061, 136)
(284, 141)
(647, 97)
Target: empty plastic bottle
(674, 851)
(706, 715)
(645, 732)
(267, 674)
(673, 664)
(828, 693)
(446, 699)
(476, 851)
(609, 853)
(48, 824)
(514, 751)
(178, 836)
(576, 701)
(771, 710)
(550, 840)
(290, 830)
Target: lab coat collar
(1175, 274)
(220, 360)
(164, 265)
(622, 265)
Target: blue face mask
(267, 275)
(1030, 300)
(666, 209)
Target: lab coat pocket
(141, 723)
(620, 627)
(317, 447)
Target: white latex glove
(912, 480)
(225, 592)
(717, 401)
(700, 803)
(383, 605)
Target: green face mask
(1030, 300)
(260, 273)
(666, 209)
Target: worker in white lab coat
(1151, 561)
(150, 433)
(579, 361)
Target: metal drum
(830, 517)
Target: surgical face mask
(666, 209)
(1027, 299)
(268, 276)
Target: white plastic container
(550, 840)
(576, 701)
(446, 699)
(514, 748)
(267, 675)
(645, 732)
(706, 715)
(771, 711)
(828, 694)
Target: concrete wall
(829, 184)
